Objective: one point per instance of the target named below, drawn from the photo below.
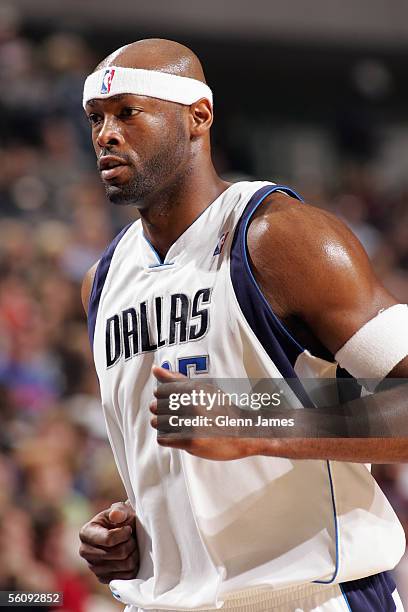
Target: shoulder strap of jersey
(99, 282)
(281, 346)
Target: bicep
(317, 270)
(348, 296)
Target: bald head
(157, 54)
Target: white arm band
(377, 347)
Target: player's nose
(109, 134)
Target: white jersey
(208, 529)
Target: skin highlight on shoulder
(311, 266)
(290, 238)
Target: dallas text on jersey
(128, 333)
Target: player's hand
(109, 545)
(195, 440)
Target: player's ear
(201, 117)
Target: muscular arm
(108, 541)
(312, 268)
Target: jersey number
(189, 365)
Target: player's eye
(94, 118)
(130, 111)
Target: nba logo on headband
(107, 80)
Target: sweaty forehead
(156, 54)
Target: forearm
(360, 450)
(372, 429)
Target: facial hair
(154, 174)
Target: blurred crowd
(56, 468)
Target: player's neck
(175, 208)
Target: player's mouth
(111, 167)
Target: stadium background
(312, 96)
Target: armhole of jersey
(349, 390)
(99, 282)
(281, 346)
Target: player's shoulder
(87, 284)
(105, 259)
(303, 252)
(287, 214)
(295, 229)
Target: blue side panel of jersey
(370, 594)
(281, 347)
(99, 281)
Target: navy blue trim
(370, 594)
(345, 598)
(348, 391)
(99, 281)
(280, 345)
(159, 259)
(162, 265)
(336, 530)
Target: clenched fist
(109, 545)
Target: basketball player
(231, 281)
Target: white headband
(116, 80)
